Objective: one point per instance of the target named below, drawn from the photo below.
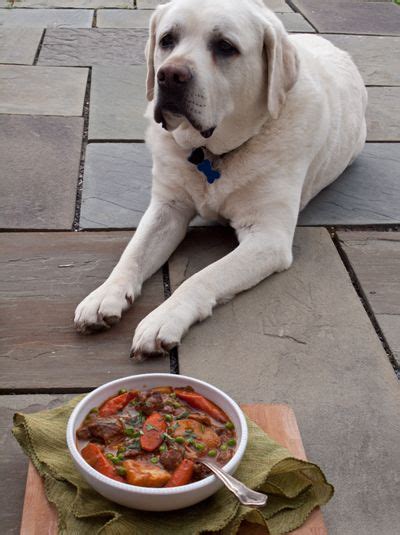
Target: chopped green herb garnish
(230, 426)
(163, 447)
(189, 434)
(176, 404)
(150, 427)
(224, 447)
(130, 432)
(180, 440)
(199, 446)
(109, 456)
(122, 391)
(212, 453)
(168, 417)
(231, 442)
(121, 470)
(95, 410)
(184, 414)
(121, 449)
(154, 460)
(168, 437)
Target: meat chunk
(200, 471)
(201, 418)
(224, 434)
(171, 458)
(225, 456)
(105, 428)
(83, 433)
(152, 402)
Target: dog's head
(218, 65)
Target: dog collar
(204, 165)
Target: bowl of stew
(137, 440)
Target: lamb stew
(153, 438)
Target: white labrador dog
(276, 117)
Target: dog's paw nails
(102, 308)
(159, 349)
(90, 328)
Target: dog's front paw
(104, 306)
(158, 332)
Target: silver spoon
(246, 496)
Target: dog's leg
(161, 229)
(263, 250)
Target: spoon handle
(246, 496)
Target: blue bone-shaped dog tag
(203, 165)
(206, 168)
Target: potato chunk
(203, 433)
(144, 474)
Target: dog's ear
(282, 65)
(150, 48)
(149, 53)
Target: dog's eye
(225, 48)
(167, 41)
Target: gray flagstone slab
(93, 46)
(139, 18)
(46, 18)
(383, 114)
(367, 193)
(275, 5)
(118, 181)
(88, 4)
(42, 90)
(149, 4)
(351, 16)
(375, 259)
(294, 22)
(120, 18)
(375, 56)
(44, 277)
(116, 185)
(302, 337)
(39, 168)
(118, 102)
(278, 5)
(19, 45)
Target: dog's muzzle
(173, 83)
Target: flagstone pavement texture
(75, 179)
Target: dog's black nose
(173, 76)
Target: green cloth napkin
(294, 487)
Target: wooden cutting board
(39, 517)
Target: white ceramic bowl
(155, 499)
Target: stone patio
(75, 179)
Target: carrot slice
(182, 474)
(162, 389)
(94, 456)
(91, 453)
(202, 403)
(153, 429)
(117, 403)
